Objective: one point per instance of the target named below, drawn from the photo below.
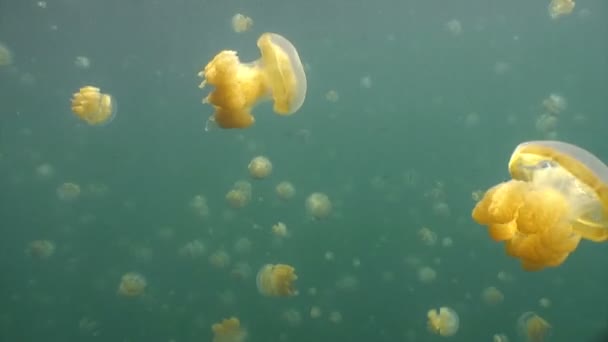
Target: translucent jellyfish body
(132, 285)
(260, 167)
(558, 8)
(318, 205)
(228, 330)
(6, 57)
(276, 280)
(444, 322)
(558, 194)
(277, 75)
(95, 108)
(41, 249)
(533, 328)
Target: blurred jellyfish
(241, 270)
(260, 167)
(332, 96)
(193, 249)
(318, 205)
(132, 284)
(285, 191)
(93, 107)
(276, 280)
(555, 104)
(198, 205)
(243, 245)
(427, 275)
(293, 317)
(6, 56)
(544, 302)
(315, 312)
(427, 236)
(280, 230)
(241, 23)
(546, 124)
(559, 8)
(492, 296)
(68, 191)
(335, 317)
(228, 330)
(501, 68)
(40, 249)
(45, 171)
(82, 62)
(444, 322)
(347, 283)
(454, 27)
(441, 208)
(366, 82)
(237, 199)
(219, 259)
(471, 119)
(532, 327)
(500, 338)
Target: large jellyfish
(277, 75)
(92, 106)
(558, 194)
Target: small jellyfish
(6, 56)
(132, 284)
(559, 8)
(454, 27)
(241, 23)
(199, 206)
(41, 249)
(532, 327)
(555, 104)
(318, 205)
(228, 330)
(45, 171)
(332, 96)
(492, 296)
(427, 236)
(427, 275)
(444, 322)
(276, 280)
(280, 229)
(285, 191)
(260, 167)
(278, 74)
(500, 338)
(68, 191)
(193, 249)
(558, 194)
(93, 107)
(82, 62)
(219, 259)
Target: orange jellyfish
(276, 280)
(228, 330)
(277, 75)
(444, 322)
(558, 194)
(532, 327)
(95, 108)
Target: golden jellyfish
(276, 280)
(559, 8)
(285, 191)
(92, 106)
(318, 205)
(280, 230)
(444, 322)
(558, 194)
(228, 330)
(241, 23)
(68, 191)
(41, 249)
(132, 284)
(260, 167)
(240, 195)
(492, 296)
(277, 75)
(532, 327)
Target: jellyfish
(276, 280)
(318, 205)
(532, 327)
(132, 284)
(285, 190)
(241, 23)
(68, 191)
(228, 330)
(6, 56)
(558, 8)
(277, 75)
(260, 167)
(444, 322)
(41, 249)
(492, 296)
(93, 107)
(558, 195)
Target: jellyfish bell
(278, 75)
(94, 107)
(533, 328)
(444, 322)
(578, 174)
(276, 280)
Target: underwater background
(412, 108)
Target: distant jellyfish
(45, 171)
(68, 191)
(444, 322)
(260, 167)
(532, 327)
(555, 104)
(454, 27)
(332, 96)
(241, 23)
(544, 302)
(427, 275)
(132, 284)
(228, 330)
(318, 205)
(427, 236)
(277, 75)
(335, 317)
(315, 312)
(6, 56)
(219, 259)
(93, 107)
(280, 230)
(193, 249)
(492, 296)
(198, 204)
(40, 249)
(276, 280)
(82, 62)
(500, 338)
(285, 191)
(237, 198)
